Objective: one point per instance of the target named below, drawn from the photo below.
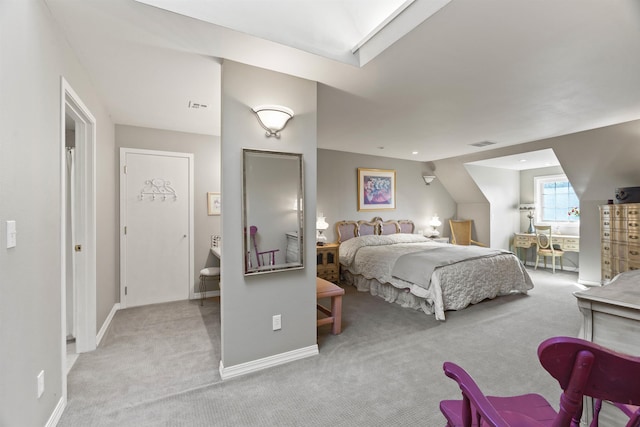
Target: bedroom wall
(596, 162)
(501, 188)
(34, 55)
(206, 159)
(248, 303)
(338, 186)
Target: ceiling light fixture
(273, 118)
(428, 179)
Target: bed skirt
(387, 292)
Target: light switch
(11, 234)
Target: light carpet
(158, 365)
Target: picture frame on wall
(376, 189)
(213, 203)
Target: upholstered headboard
(349, 229)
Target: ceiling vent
(482, 143)
(196, 105)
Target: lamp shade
(273, 118)
(435, 221)
(321, 223)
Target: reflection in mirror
(273, 203)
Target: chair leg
(202, 288)
(537, 259)
(553, 264)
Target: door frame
(72, 105)
(123, 204)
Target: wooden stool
(207, 273)
(325, 289)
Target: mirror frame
(248, 153)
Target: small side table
(327, 262)
(325, 289)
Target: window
(555, 200)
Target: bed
(387, 259)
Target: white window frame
(538, 182)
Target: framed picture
(376, 189)
(213, 203)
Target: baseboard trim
(107, 322)
(589, 282)
(267, 362)
(54, 419)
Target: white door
(157, 226)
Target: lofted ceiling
(448, 74)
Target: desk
(526, 240)
(611, 318)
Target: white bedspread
(453, 287)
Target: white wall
(501, 188)
(34, 56)
(338, 187)
(248, 303)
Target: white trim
(70, 103)
(123, 199)
(267, 362)
(56, 415)
(589, 282)
(107, 322)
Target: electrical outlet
(277, 322)
(40, 384)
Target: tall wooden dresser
(620, 237)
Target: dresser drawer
(569, 244)
(523, 241)
(633, 254)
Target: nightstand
(327, 262)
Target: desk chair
(546, 247)
(581, 368)
(207, 273)
(461, 233)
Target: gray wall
(206, 159)
(596, 163)
(34, 55)
(248, 303)
(338, 187)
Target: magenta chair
(270, 254)
(582, 368)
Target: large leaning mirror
(273, 203)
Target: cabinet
(611, 318)
(328, 263)
(620, 239)
(293, 248)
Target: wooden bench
(326, 289)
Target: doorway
(156, 221)
(78, 225)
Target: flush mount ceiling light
(273, 118)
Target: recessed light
(414, 152)
(523, 160)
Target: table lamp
(321, 225)
(434, 223)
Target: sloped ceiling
(506, 71)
